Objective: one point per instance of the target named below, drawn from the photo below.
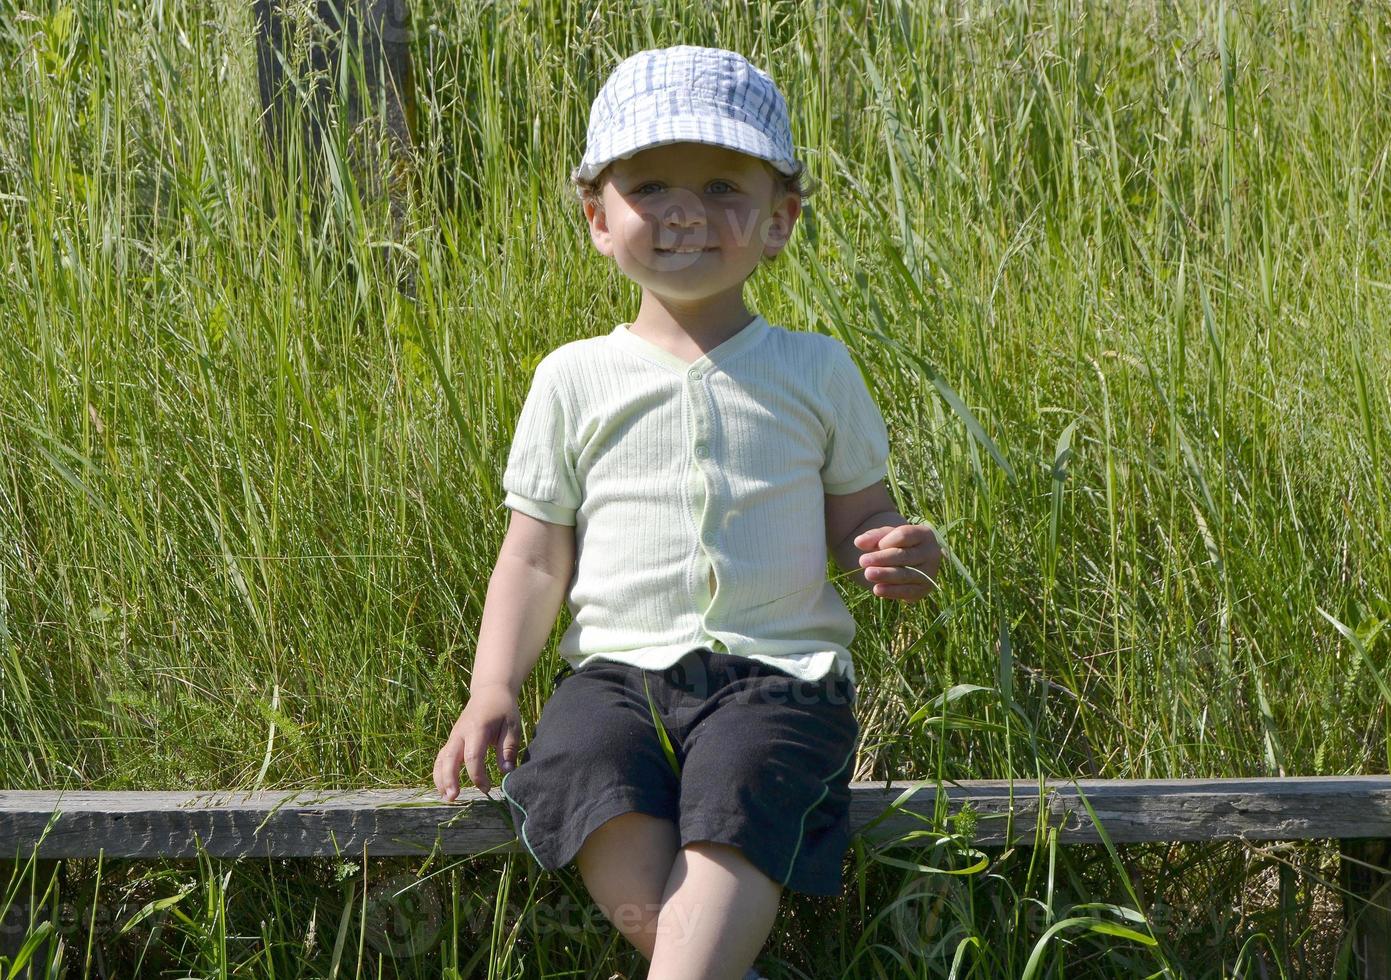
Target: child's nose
(684, 214)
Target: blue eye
(642, 188)
(729, 188)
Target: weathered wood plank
(328, 822)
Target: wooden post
(1365, 868)
(14, 926)
(378, 33)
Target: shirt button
(708, 537)
(701, 451)
(693, 374)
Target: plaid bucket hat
(687, 94)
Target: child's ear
(599, 232)
(781, 221)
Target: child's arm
(894, 558)
(865, 533)
(528, 584)
(525, 590)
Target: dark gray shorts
(760, 760)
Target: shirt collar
(747, 337)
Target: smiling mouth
(684, 251)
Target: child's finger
(475, 759)
(872, 538)
(441, 781)
(447, 769)
(899, 575)
(902, 592)
(887, 556)
(507, 751)
(924, 552)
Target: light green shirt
(697, 493)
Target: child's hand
(900, 562)
(490, 718)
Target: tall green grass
(1117, 275)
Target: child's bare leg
(716, 914)
(625, 864)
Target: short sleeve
(857, 441)
(540, 476)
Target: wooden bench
(1356, 810)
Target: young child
(680, 481)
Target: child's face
(690, 221)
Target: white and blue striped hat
(687, 94)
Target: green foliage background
(1117, 274)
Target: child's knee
(732, 859)
(635, 842)
(636, 829)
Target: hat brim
(732, 134)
